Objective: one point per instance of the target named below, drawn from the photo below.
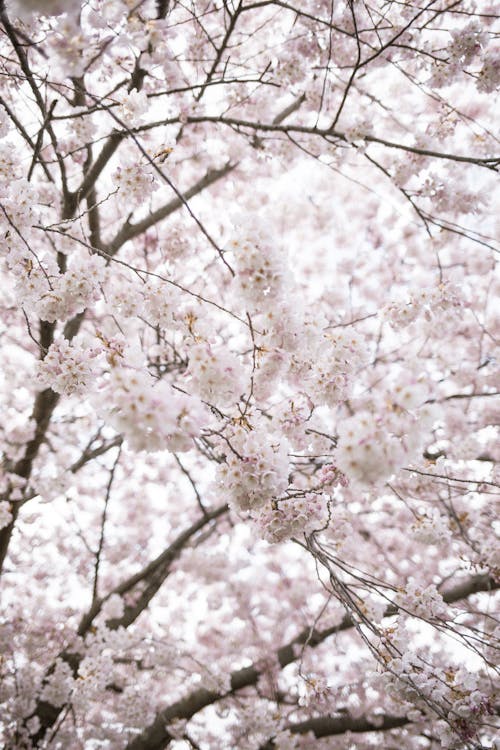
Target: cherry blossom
(249, 330)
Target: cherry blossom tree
(249, 423)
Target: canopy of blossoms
(249, 374)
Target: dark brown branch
(354, 70)
(39, 141)
(162, 8)
(156, 735)
(156, 571)
(43, 408)
(98, 554)
(293, 107)
(129, 231)
(93, 213)
(491, 162)
(95, 170)
(220, 51)
(45, 403)
(329, 726)
(25, 67)
(153, 575)
(89, 454)
(22, 130)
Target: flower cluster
(489, 76)
(318, 694)
(9, 161)
(408, 395)
(16, 433)
(255, 470)
(261, 272)
(150, 414)
(135, 181)
(300, 349)
(4, 130)
(23, 8)
(329, 475)
(68, 368)
(292, 516)
(372, 447)
(133, 105)
(340, 356)
(431, 527)
(168, 307)
(366, 452)
(358, 129)
(71, 48)
(400, 314)
(58, 685)
(430, 302)
(18, 201)
(55, 296)
(462, 200)
(422, 601)
(161, 303)
(467, 42)
(293, 414)
(454, 694)
(113, 607)
(124, 297)
(215, 374)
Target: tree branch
(95, 170)
(328, 726)
(154, 574)
(25, 67)
(156, 735)
(129, 231)
(491, 162)
(45, 403)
